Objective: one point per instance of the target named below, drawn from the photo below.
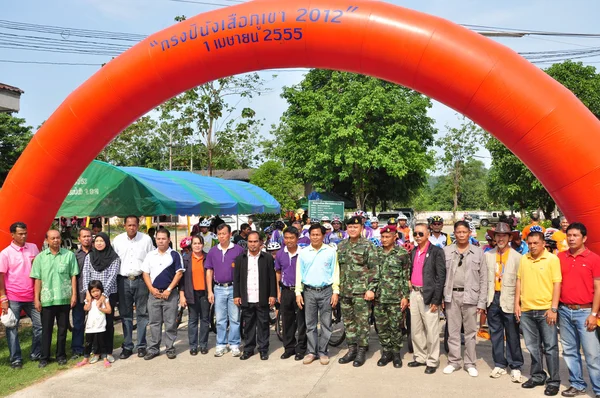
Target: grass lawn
(12, 380)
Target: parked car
(489, 218)
(475, 219)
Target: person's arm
(273, 288)
(37, 289)
(73, 291)
(209, 285)
(440, 270)
(106, 308)
(592, 320)
(373, 276)
(550, 315)
(167, 292)
(237, 298)
(483, 282)
(336, 281)
(298, 290)
(518, 299)
(153, 291)
(277, 281)
(3, 270)
(86, 273)
(111, 277)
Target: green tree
(277, 180)
(342, 127)
(14, 137)
(510, 181)
(458, 147)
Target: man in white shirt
(132, 247)
(254, 290)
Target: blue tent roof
(106, 190)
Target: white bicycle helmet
(205, 223)
(272, 246)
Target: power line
(13, 61)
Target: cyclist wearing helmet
(273, 248)
(404, 228)
(337, 234)
(325, 219)
(277, 234)
(186, 246)
(210, 239)
(375, 227)
(437, 237)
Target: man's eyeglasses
(462, 256)
(421, 234)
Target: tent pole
(176, 220)
(109, 227)
(189, 230)
(237, 221)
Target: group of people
(534, 292)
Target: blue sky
(46, 86)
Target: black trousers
(49, 314)
(109, 334)
(95, 341)
(256, 327)
(293, 320)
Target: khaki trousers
(458, 315)
(424, 331)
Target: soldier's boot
(397, 360)
(386, 357)
(350, 355)
(361, 357)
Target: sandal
(107, 363)
(83, 363)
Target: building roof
(238, 174)
(10, 88)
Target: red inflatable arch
(537, 118)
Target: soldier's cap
(388, 228)
(354, 220)
(392, 221)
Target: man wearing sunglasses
(465, 297)
(427, 277)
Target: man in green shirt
(54, 270)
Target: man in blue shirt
(318, 275)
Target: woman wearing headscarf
(103, 263)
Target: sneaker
(449, 369)
(324, 359)
(235, 352)
(95, 359)
(309, 359)
(17, 365)
(473, 372)
(110, 358)
(219, 352)
(515, 376)
(497, 372)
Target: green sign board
(319, 208)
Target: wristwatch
(168, 289)
(594, 313)
(553, 309)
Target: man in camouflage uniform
(391, 296)
(358, 260)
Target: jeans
(199, 311)
(573, 337)
(78, 315)
(535, 326)
(226, 310)
(130, 292)
(163, 312)
(14, 348)
(503, 324)
(317, 305)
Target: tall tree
(458, 147)
(14, 137)
(510, 180)
(274, 178)
(342, 127)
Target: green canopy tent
(107, 190)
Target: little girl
(97, 306)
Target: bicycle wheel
(338, 332)
(179, 315)
(279, 326)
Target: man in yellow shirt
(536, 306)
(560, 236)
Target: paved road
(227, 376)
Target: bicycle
(338, 332)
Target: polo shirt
(318, 268)
(286, 264)
(537, 279)
(198, 272)
(222, 261)
(132, 252)
(55, 271)
(578, 274)
(162, 267)
(441, 241)
(15, 264)
(561, 241)
(416, 278)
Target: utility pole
(170, 149)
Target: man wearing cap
(536, 307)
(427, 277)
(358, 261)
(391, 296)
(465, 295)
(337, 235)
(502, 267)
(578, 311)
